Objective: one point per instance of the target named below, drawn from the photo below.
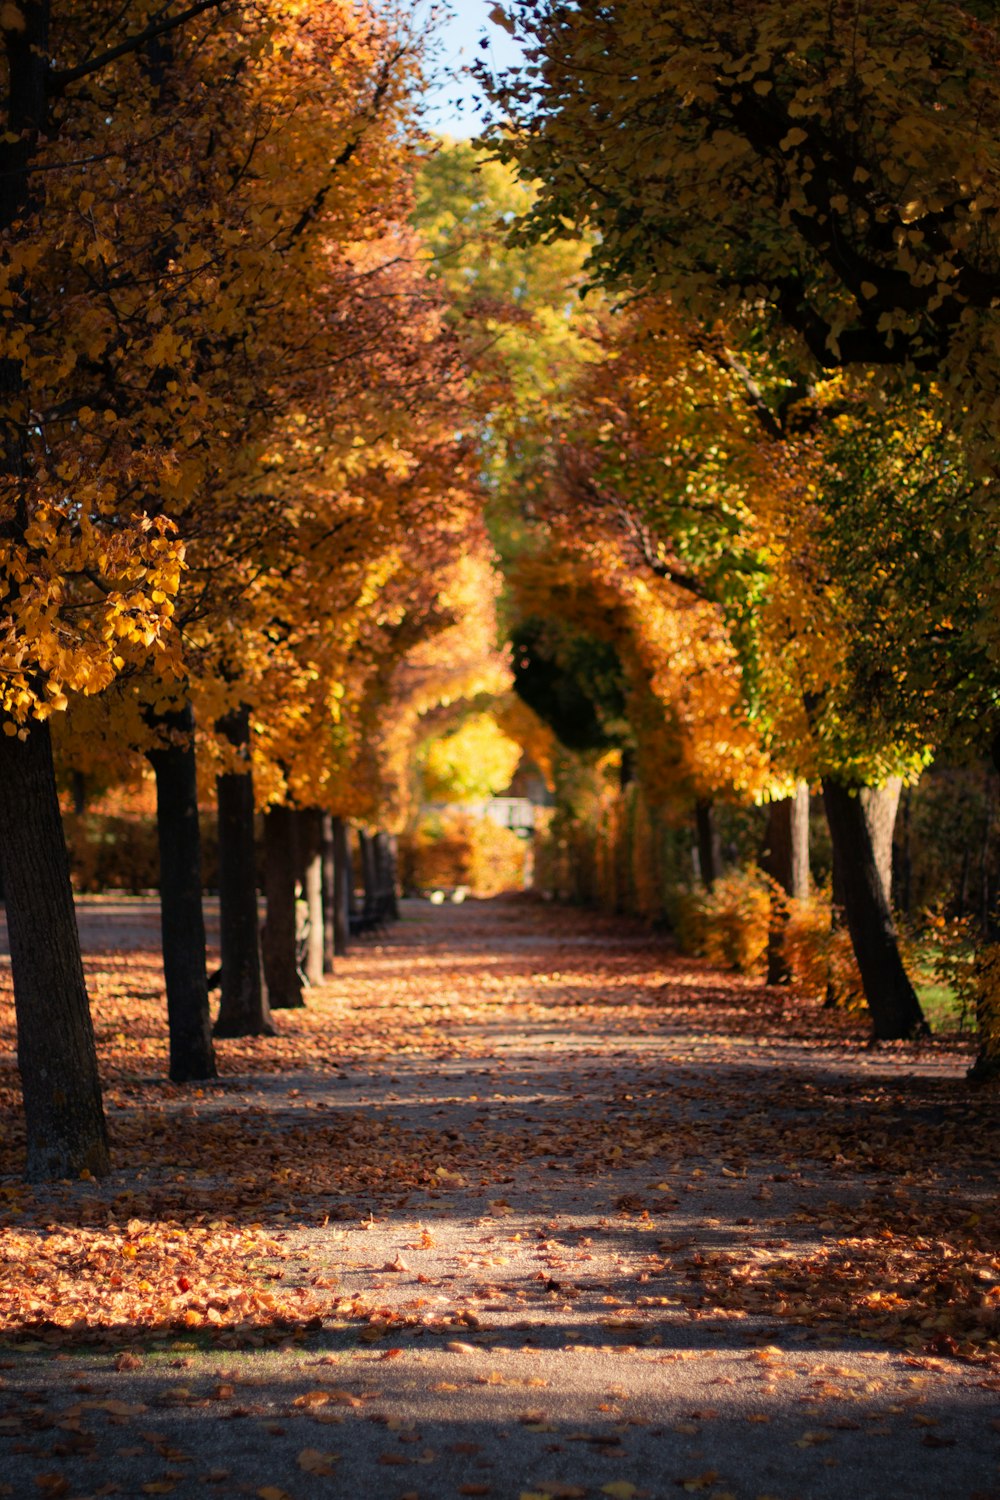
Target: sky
(453, 104)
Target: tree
(840, 164)
(86, 573)
(162, 206)
(728, 492)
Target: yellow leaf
(620, 1489)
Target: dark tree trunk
(79, 793)
(987, 913)
(987, 1064)
(56, 1056)
(284, 987)
(181, 918)
(860, 828)
(243, 1007)
(903, 860)
(385, 864)
(310, 849)
(787, 863)
(369, 872)
(833, 996)
(343, 886)
(329, 873)
(986, 1067)
(709, 847)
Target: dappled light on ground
(513, 1170)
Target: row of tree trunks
(66, 1131)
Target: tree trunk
(343, 887)
(709, 848)
(284, 987)
(986, 1067)
(881, 804)
(243, 1008)
(369, 873)
(987, 913)
(385, 862)
(182, 921)
(861, 830)
(310, 837)
(787, 863)
(987, 1064)
(56, 1055)
(833, 994)
(903, 861)
(79, 793)
(329, 879)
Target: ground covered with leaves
(521, 1204)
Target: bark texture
(786, 860)
(369, 873)
(329, 872)
(182, 921)
(243, 1007)
(56, 1056)
(310, 840)
(881, 804)
(385, 865)
(343, 886)
(986, 1067)
(284, 987)
(709, 846)
(861, 831)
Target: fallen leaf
(313, 1461)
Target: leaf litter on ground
(521, 1130)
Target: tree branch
(315, 207)
(60, 79)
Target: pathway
(571, 1216)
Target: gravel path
(640, 1260)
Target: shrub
(728, 924)
(120, 852)
(109, 853)
(456, 849)
(819, 953)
